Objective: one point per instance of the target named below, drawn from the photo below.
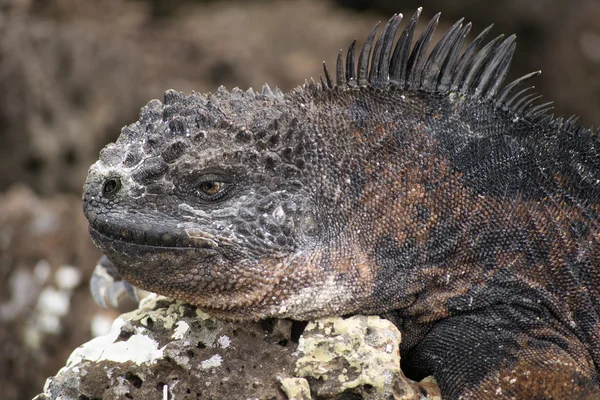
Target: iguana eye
(211, 188)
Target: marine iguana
(415, 187)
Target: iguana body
(415, 188)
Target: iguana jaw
(136, 262)
(237, 290)
(200, 276)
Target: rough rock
(358, 356)
(169, 348)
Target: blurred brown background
(73, 72)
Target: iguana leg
(501, 354)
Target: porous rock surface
(170, 350)
(357, 356)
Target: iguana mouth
(151, 235)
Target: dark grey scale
(169, 111)
(246, 213)
(203, 120)
(309, 157)
(276, 181)
(281, 241)
(250, 157)
(287, 228)
(270, 225)
(132, 158)
(222, 124)
(584, 160)
(267, 203)
(579, 229)
(399, 258)
(358, 112)
(289, 207)
(111, 156)
(150, 170)
(256, 230)
(128, 134)
(260, 134)
(152, 112)
(177, 125)
(136, 192)
(299, 150)
(158, 189)
(174, 151)
(199, 135)
(238, 156)
(287, 154)
(173, 97)
(244, 136)
(237, 105)
(300, 163)
(243, 227)
(152, 237)
(165, 204)
(287, 140)
(395, 263)
(494, 167)
(273, 126)
(260, 145)
(443, 240)
(153, 143)
(273, 141)
(138, 236)
(271, 161)
(585, 320)
(538, 249)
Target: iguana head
(214, 199)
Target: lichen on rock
(171, 347)
(171, 344)
(358, 355)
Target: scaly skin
(464, 216)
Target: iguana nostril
(111, 186)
